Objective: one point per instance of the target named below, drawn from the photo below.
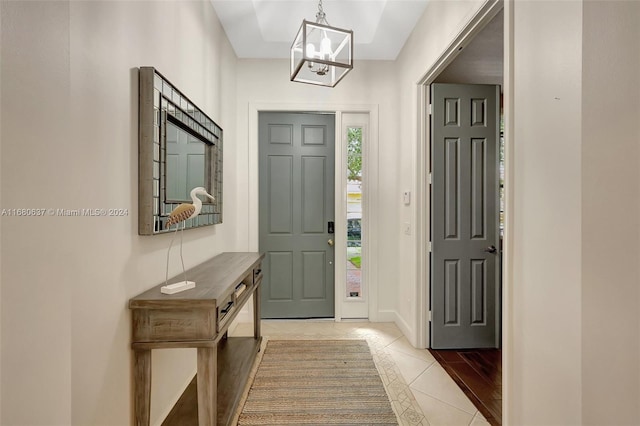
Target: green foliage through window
(354, 153)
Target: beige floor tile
(410, 367)
(382, 335)
(437, 383)
(479, 420)
(402, 345)
(283, 326)
(439, 413)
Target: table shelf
(194, 319)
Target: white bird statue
(182, 213)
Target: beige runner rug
(317, 382)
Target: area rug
(317, 382)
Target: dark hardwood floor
(478, 372)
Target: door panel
(478, 183)
(452, 178)
(313, 195)
(296, 164)
(464, 281)
(451, 292)
(279, 273)
(478, 293)
(314, 275)
(280, 197)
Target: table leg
(207, 386)
(256, 311)
(142, 386)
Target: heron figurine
(182, 213)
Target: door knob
(330, 242)
(491, 249)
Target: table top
(215, 280)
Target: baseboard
(393, 316)
(407, 330)
(386, 316)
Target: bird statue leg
(166, 275)
(181, 259)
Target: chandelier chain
(321, 17)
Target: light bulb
(311, 50)
(325, 46)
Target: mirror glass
(180, 148)
(185, 164)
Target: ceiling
(266, 28)
(481, 61)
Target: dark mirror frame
(161, 102)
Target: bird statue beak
(210, 196)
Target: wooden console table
(199, 318)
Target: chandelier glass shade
(321, 54)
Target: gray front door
(296, 205)
(464, 215)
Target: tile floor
(420, 390)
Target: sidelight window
(354, 212)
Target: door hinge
(429, 179)
(429, 316)
(429, 246)
(429, 109)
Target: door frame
(340, 202)
(482, 17)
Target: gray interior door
(464, 215)
(185, 158)
(296, 204)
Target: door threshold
(299, 319)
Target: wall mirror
(180, 148)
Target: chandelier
(321, 54)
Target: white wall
(575, 329)
(547, 236)
(69, 140)
(0, 220)
(438, 26)
(267, 82)
(575, 242)
(610, 213)
(36, 262)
